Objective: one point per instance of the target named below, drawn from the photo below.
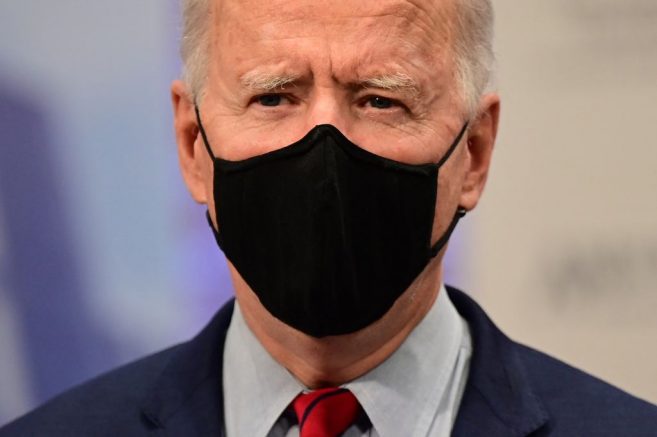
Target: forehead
(346, 31)
(428, 12)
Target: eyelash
(362, 102)
(393, 102)
(257, 98)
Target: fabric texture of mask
(327, 234)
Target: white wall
(565, 244)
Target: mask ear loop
(460, 211)
(216, 234)
(202, 130)
(451, 149)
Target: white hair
(473, 49)
(195, 45)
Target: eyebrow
(392, 82)
(266, 82)
(258, 82)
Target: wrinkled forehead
(427, 22)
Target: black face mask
(327, 234)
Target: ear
(191, 155)
(481, 139)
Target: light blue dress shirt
(416, 392)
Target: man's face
(381, 71)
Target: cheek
(407, 144)
(240, 141)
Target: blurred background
(104, 258)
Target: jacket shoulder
(169, 386)
(578, 402)
(106, 405)
(514, 390)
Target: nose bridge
(327, 106)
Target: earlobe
(480, 143)
(190, 156)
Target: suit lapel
(187, 398)
(499, 399)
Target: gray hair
(195, 45)
(473, 49)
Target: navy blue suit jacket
(512, 390)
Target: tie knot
(326, 412)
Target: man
(336, 145)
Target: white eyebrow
(392, 82)
(266, 82)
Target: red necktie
(327, 412)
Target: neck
(335, 360)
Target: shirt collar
(412, 380)
(256, 388)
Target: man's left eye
(379, 102)
(270, 99)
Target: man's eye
(379, 102)
(270, 99)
